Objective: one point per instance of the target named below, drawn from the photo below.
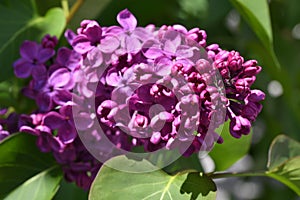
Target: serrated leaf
(256, 13)
(114, 184)
(20, 159)
(21, 22)
(232, 149)
(284, 162)
(42, 186)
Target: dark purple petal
(45, 54)
(62, 96)
(67, 133)
(54, 120)
(39, 73)
(94, 33)
(23, 68)
(43, 143)
(28, 129)
(29, 50)
(70, 35)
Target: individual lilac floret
(32, 61)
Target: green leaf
(256, 13)
(284, 162)
(20, 160)
(232, 149)
(42, 186)
(21, 22)
(69, 190)
(114, 184)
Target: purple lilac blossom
(124, 72)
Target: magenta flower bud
(251, 68)
(155, 138)
(255, 96)
(239, 126)
(251, 110)
(242, 86)
(197, 35)
(235, 61)
(49, 42)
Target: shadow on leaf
(197, 183)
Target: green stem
(235, 174)
(65, 7)
(74, 9)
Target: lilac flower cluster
(157, 88)
(238, 76)
(50, 86)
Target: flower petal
(109, 44)
(127, 20)
(29, 50)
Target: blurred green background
(225, 26)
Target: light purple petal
(127, 20)
(163, 66)
(184, 52)
(109, 44)
(94, 58)
(81, 44)
(132, 44)
(151, 49)
(83, 121)
(142, 34)
(60, 78)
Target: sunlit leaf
(232, 149)
(42, 186)
(284, 162)
(114, 184)
(256, 13)
(20, 160)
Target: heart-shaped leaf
(114, 184)
(232, 149)
(284, 162)
(21, 21)
(20, 160)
